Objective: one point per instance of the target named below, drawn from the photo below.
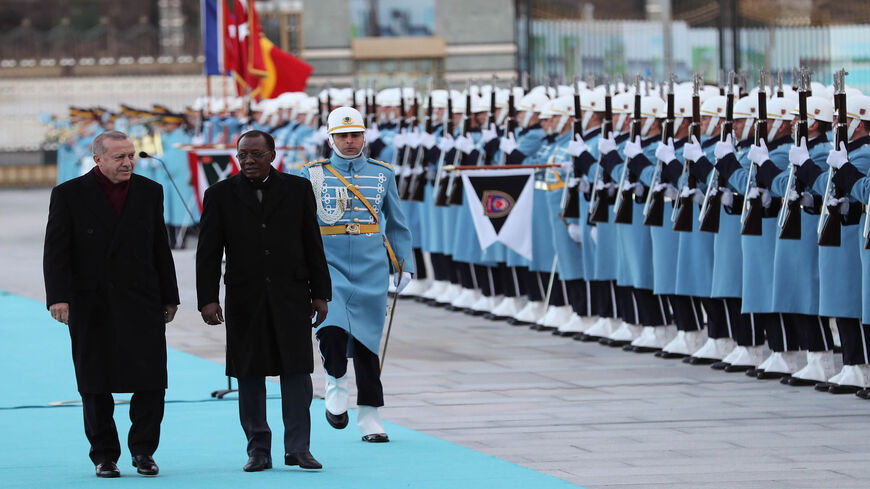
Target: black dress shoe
(737, 368)
(541, 327)
(376, 438)
(258, 462)
(753, 371)
(669, 355)
(585, 337)
(823, 386)
(767, 375)
(645, 349)
(798, 382)
(700, 361)
(720, 365)
(145, 465)
(108, 470)
(843, 389)
(303, 459)
(863, 393)
(337, 421)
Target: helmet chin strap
(647, 124)
(501, 117)
(852, 126)
(527, 118)
(714, 121)
(561, 124)
(620, 121)
(773, 130)
(342, 155)
(746, 127)
(587, 116)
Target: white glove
(632, 148)
(798, 154)
(763, 193)
(412, 138)
(694, 193)
(446, 143)
(807, 200)
(508, 144)
(401, 280)
(574, 232)
(606, 145)
(373, 134)
(692, 150)
(573, 182)
(758, 154)
(577, 147)
(567, 166)
(427, 140)
(843, 202)
(724, 148)
(464, 144)
(666, 152)
(838, 157)
(487, 134)
(400, 140)
(635, 187)
(727, 198)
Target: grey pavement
(595, 416)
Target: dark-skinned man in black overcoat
(276, 281)
(110, 277)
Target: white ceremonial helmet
(344, 120)
(746, 108)
(563, 108)
(651, 108)
(479, 104)
(779, 109)
(818, 108)
(544, 111)
(682, 109)
(532, 103)
(308, 106)
(819, 90)
(858, 109)
(623, 106)
(458, 101)
(388, 97)
(714, 107)
(439, 99)
(591, 101)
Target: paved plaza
(591, 415)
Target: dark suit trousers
(296, 394)
(146, 414)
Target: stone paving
(591, 415)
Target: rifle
(780, 92)
(490, 119)
(398, 162)
(454, 186)
(683, 208)
(829, 220)
(418, 174)
(408, 165)
(790, 216)
(372, 107)
(654, 209)
(601, 196)
(712, 205)
(753, 210)
(571, 196)
(624, 209)
(440, 181)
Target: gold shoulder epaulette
(311, 163)
(381, 163)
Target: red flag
(251, 65)
(286, 73)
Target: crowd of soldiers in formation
(723, 225)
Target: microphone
(143, 154)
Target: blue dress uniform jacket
(695, 255)
(570, 263)
(795, 280)
(839, 289)
(358, 263)
(542, 229)
(665, 242)
(727, 249)
(588, 249)
(860, 190)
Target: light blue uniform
(570, 263)
(727, 247)
(665, 242)
(358, 264)
(860, 157)
(176, 162)
(634, 264)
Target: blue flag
(212, 46)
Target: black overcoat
(275, 265)
(116, 273)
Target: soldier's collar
(812, 143)
(853, 145)
(646, 142)
(592, 133)
(347, 165)
(621, 137)
(779, 142)
(709, 142)
(680, 142)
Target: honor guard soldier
(364, 234)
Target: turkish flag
(286, 73)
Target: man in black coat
(110, 277)
(276, 281)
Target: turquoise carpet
(202, 444)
